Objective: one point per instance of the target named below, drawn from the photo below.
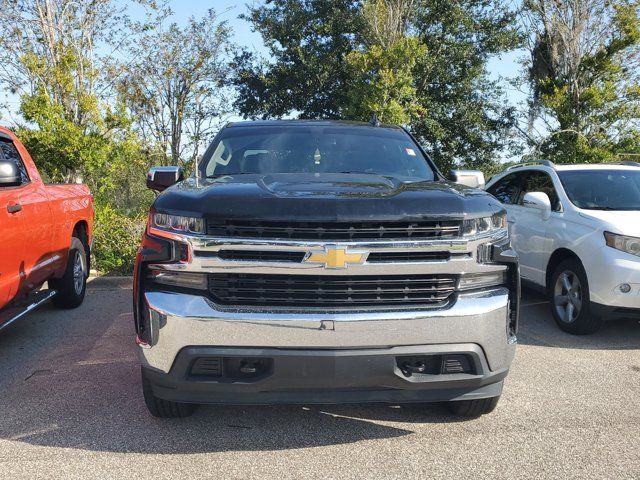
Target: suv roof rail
(546, 163)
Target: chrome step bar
(33, 301)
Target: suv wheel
(474, 408)
(73, 284)
(569, 295)
(164, 408)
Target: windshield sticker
(410, 152)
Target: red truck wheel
(72, 286)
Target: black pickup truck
(323, 262)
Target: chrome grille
(336, 231)
(298, 257)
(339, 291)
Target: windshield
(315, 149)
(603, 189)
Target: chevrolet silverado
(323, 262)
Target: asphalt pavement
(71, 407)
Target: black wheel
(474, 408)
(72, 286)
(164, 408)
(570, 301)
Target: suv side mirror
(9, 174)
(161, 178)
(539, 201)
(470, 178)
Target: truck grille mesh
(330, 291)
(336, 231)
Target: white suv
(576, 229)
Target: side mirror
(539, 201)
(470, 178)
(161, 178)
(9, 174)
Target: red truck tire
(73, 284)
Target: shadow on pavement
(73, 381)
(537, 327)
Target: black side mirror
(161, 178)
(9, 174)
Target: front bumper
(327, 376)
(606, 272)
(327, 357)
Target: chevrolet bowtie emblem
(334, 257)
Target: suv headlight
(177, 223)
(622, 242)
(485, 225)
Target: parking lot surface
(71, 407)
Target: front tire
(161, 408)
(570, 300)
(72, 286)
(474, 408)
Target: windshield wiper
(216, 175)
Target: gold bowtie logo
(333, 257)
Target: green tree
(308, 73)
(584, 75)
(174, 86)
(382, 72)
(383, 82)
(419, 61)
(73, 124)
(467, 119)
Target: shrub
(116, 239)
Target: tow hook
(409, 368)
(248, 368)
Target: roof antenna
(374, 120)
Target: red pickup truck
(46, 233)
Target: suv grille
(330, 291)
(336, 231)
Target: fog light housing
(625, 288)
(482, 280)
(179, 279)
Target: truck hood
(624, 222)
(323, 198)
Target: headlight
(177, 223)
(622, 242)
(485, 225)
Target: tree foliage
(468, 119)
(584, 75)
(102, 98)
(418, 62)
(174, 86)
(382, 70)
(308, 73)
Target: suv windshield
(603, 189)
(315, 149)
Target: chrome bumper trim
(181, 320)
